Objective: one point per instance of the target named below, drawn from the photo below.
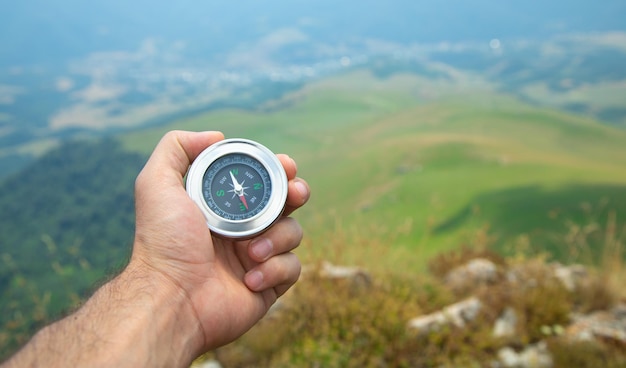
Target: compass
(239, 185)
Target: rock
(533, 356)
(475, 272)
(529, 274)
(212, 363)
(458, 314)
(571, 276)
(607, 326)
(357, 276)
(505, 324)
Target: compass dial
(236, 187)
(240, 186)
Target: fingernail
(254, 279)
(294, 163)
(262, 249)
(302, 189)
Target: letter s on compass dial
(239, 185)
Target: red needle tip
(243, 200)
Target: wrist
(160, 320)
(138, 319)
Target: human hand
(184, 291)
(229, 285)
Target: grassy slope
(385, 163)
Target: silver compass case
(265, 216)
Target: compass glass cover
(236, 187)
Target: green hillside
(67, 221)
(400, 168)
(385, 162)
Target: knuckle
(297, 267)
(291, 231)
(172, 134)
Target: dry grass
(326, 322)
(585, 354)
(613, 267)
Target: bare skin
(184, 292)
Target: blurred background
(432, 133)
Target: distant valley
(111, 92)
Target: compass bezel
(244, 228)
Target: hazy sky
(47, 31)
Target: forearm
(130, 321)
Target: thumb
(173, 155)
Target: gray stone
(356, 275)
(474, 272)
(505, 324)
(457, 314)
(212, 363)
(533, 356)
(570, 276)
(609, 326)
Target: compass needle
(243, 200)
